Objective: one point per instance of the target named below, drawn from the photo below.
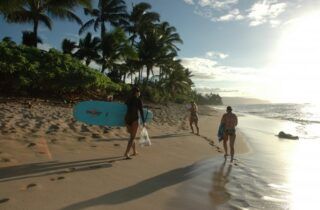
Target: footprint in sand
(53, 141)
(58, 178)
(81, 139)
(29, 186)
(53, 128)
(84, 128)
(95, 136)
(3, 200)
(31, 145)
(5, 160)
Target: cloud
(206, 69)
(201, 68)
(217, 4)
(189, 2)
(213, 54)
(258, 13)
(232, 15)
(265, 11)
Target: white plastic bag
(144, 138)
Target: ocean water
(276, 174)
(305, 116)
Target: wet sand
(48, 159)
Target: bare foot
(135, 153)
(127, 157)
(225, 156)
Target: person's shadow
(220, 178)
(141, 189)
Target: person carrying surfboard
(230, 121)
(134, 105)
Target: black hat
(229, 108)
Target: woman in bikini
(194, 116)
(230, 122)
(134, 105)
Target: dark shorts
(194, 118)
(230, 132)
(129, 120)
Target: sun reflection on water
(304, 176)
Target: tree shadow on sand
(54, 167)
(142, 188)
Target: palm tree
(108, 11)
(39, 11)
(178, 80)
(68, 46)
(140, 19)
(158, 45)
(117, 50)
(88, 49)
(170, 37)
(112, 11)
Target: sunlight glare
(296, 66)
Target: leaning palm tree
(88, 49)
(68, 46)
(40, 11)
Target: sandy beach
(50, 161)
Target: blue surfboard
(220, 132)
(104, 113)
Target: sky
(265, 49)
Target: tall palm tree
(68, 46)
(140, 19)
(108, 11)
(88, 49)
(40, 11)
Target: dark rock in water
(287, 136)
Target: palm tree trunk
(103, 31)
(148, 74)
(139, 76)
(35, 32)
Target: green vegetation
(136, 47)
(30, 71)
